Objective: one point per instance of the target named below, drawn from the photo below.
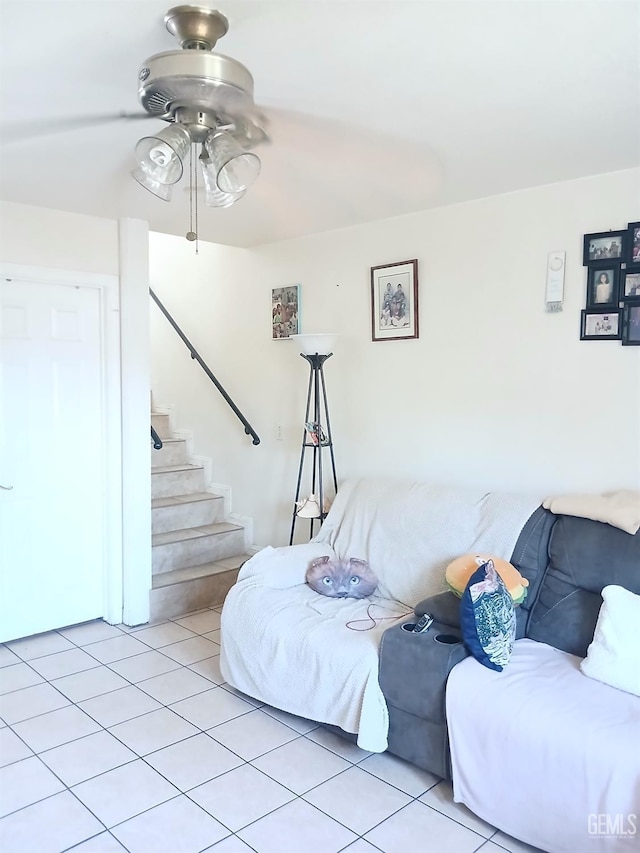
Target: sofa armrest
(445, 609)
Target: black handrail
(157, 441)
(249, 430)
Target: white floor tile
(55, 728)
(86, 685)
(193, 761)
(506, 842)
(109, 709)
(210, 668)
(63, 663)
(124, 792)
(211, 708)
(208, 620)
(301, 765)
(174, 686)
(256, 703)
(163, 635)
(339, 745)
(252, 734)
(7, 657)
(153, 731)
(415, 824)
(362, 846)
(303, 827)
(192, 650)
(103, 843)
(214, 636)
(176, 825)
(39, 645)
(86, 757)
(90, 632)
(117, 648)
(241, 796)
(357, 800)
(440, 797)
(17, 677)
(50, 826)
(12, 748)
(24, 783)
(30, 702)
(300, 725)
(231, 844)
(147, 665)
(407, 777)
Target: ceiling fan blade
(22, 131)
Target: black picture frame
(394, 318)
(603, 293)
(597, 247)
(594, 329)
(631, 323)
(630, 283)
(632, 256)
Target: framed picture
(394, 301)
(630, 285)
(633, 245)
(604, 246)
(631, 324)
(600, 325)
(285, 312)
(603, 286)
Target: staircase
(196, 553)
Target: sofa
(539, 750)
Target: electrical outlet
(279, 432)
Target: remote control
(423, 624)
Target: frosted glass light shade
(161, 155)
(162, 191)
(322, 344)
(235, 168)
(214, 197)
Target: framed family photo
(633, 245)
(630, 288)
(631, 324)
(600, 325)
(602, 286)
(285, 312)
(604, 246)
(394, 301)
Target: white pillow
(614, 655)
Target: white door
(52, 445)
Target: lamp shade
(162, 191)
(161, 155)
(214, 197)
(322, 344)
(235, 168)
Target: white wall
(41, 237)
(495, 391)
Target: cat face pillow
(341, 578)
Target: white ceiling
(381, 108)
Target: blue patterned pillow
(488, 618)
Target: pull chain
(191, 234)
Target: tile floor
(116, 739)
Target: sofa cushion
(488, 618)
(584, 557)
(614, 655)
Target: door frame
(109, 293)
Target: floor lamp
(316, 436)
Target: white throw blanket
(619, 509)
(286, 645)
(546, 754)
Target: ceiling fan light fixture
(214, 197)
(235, 168)
(145, 180)
(161, 156)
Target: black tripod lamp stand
(316, 438)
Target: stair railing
(249, 430)
(157, 441)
